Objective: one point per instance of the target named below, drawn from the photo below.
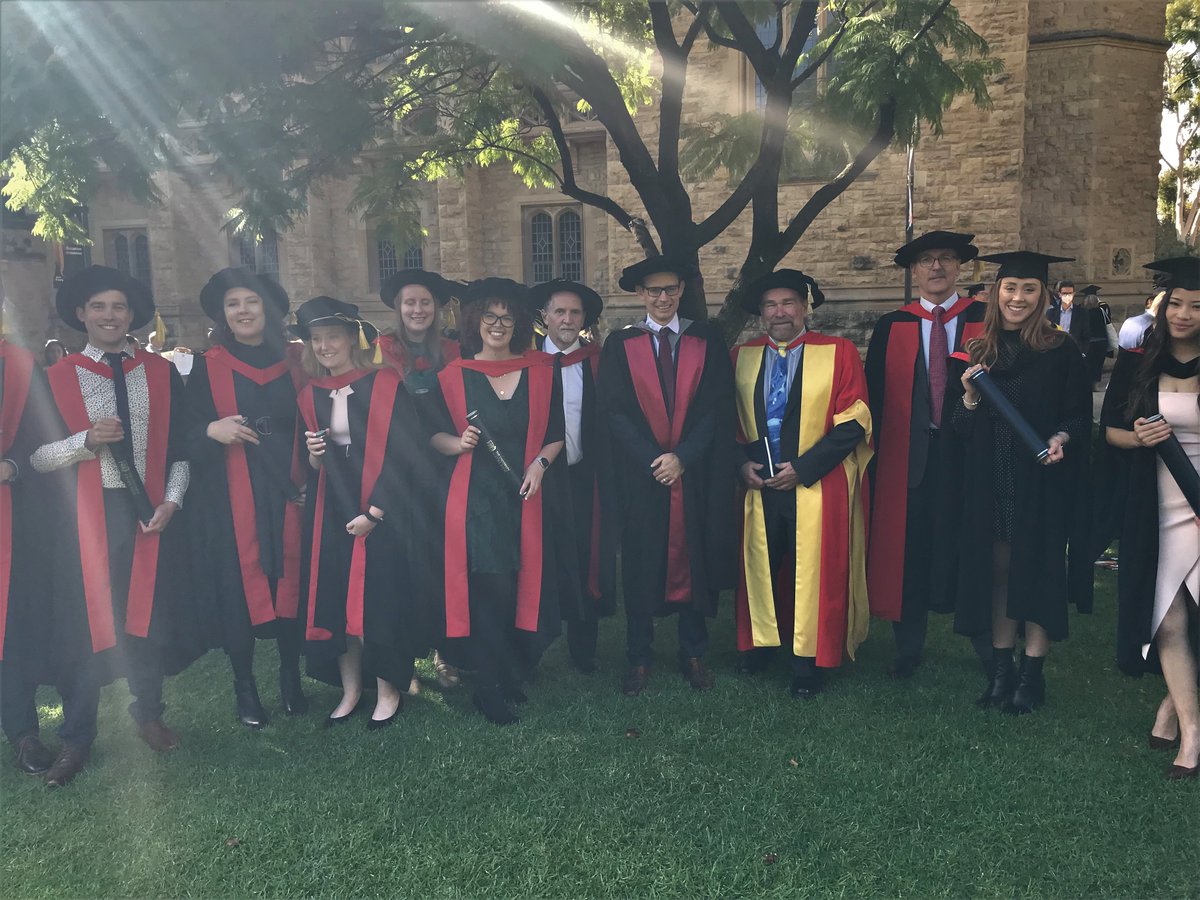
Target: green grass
(874, 789)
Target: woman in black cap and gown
(499, 523)
(1019, 512)
(1159, 579)
(247, 477)
(363, 619)
(417, 350)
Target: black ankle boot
(1031, 687)
(1001, 679)
(249, 708)
(490, 702)
(290, 692)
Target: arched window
(414, 256)
(128, 250)
(387, 260)
(553, 243)
(260, 257)
(141, 258)
(121, 245)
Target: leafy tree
(1179, 188)
(400, 92)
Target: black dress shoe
(753, 662)
(1160, 743)
(805, 687)
(33, 757)
(250, 710)
(1031, 687)
(70, 762)
(904, 667)
(376, 724)
(291, 694)
(696, 674)
(1002, 679)
(1179, 773)
(331, 721)
(490, 702)
(512, 693)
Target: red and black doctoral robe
(238, 491)
(393, 353)
(822, 610)
(897, 382)
(539, 584)
(89, 617)
(676, 546)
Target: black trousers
(919, 548)
(493, 609)
(288, 637)
(639, 634)
(582, 631)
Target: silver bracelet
(968, 405)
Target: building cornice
(1098, 36)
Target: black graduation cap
(593, 305)
(441, 288)
(328, 311)
(804, 285)
(632, 276)
(1181, 272)
(87, 283)
(212, 295)
(1024, 264)
(1090, 289)
(937, 240)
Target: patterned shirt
(100, 400)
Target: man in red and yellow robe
(805, 428)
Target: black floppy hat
(328, 311)
(593, 305)
(212, 295)
(495, 288)
(441, 288)
(632, 276)
(804, 285)
(81, 287)
(937, 240)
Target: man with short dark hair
(910, 560)
(805, 429)
(569, 309)
(666, 397)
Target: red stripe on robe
(529, 578)
(379, 418)
(643, 367)
(261, 606)
(395, 353)
(18, 373)
(89, 496)
(885, 561)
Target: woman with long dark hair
(240, 404)
(417, 351)
(499, 588)
(364, 623)
(1154, 395)
(1019, 513)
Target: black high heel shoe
(331, 721)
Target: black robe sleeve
(822, 457)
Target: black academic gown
(270, 407)
(639, 526)
(395, 618)
(173, 634)
(1133, 497)
(1089, 332)
(1052, 507)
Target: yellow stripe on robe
(757, 566)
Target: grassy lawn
(873, 789)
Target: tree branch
(747, 40)
(670, 106)
(711, 33)
(879, 141)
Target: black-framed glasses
(490, 318)
(945, 260)
(671, 290)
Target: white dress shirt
(655, 328)
(1133, 330)
(951, 325)
(339, 416)
(572, 384)
(1065, 314)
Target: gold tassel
(378, 357)
(362, 338)
(160, 329)
(451, 319)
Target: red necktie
(939, 350)
(666, 367)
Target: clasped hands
(784, 479)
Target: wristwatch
(545, 462)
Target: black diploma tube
(1176, 460)
(1009, 413)
(474, 419)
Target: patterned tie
(939, 351)
(777, 401)
(666, 368)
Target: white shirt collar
(946, 304)
(549, 343)
(656, 328)
(93, 352)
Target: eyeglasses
(671, 290)
(493, 319)
(945, 260)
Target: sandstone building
(1065, 162)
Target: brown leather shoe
(158, 736)
(635, 681)
(33, 757)
(69, 763)
(696, 674)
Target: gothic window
(128, 250)
(414, 256)
(553, 238)
(387, 260)
(260, 257)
